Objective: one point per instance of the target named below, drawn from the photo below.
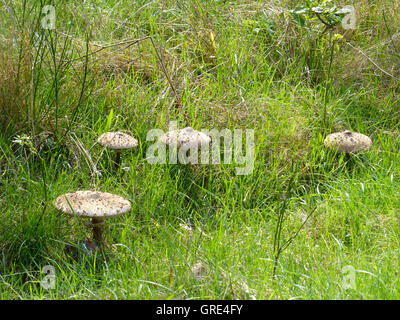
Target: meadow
(306, 223)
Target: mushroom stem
(117, 159)
(97, 225)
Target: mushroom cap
(348, 141)
(117, 140)
(92, 204)
(186, 137)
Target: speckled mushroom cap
(186, 137)
(348, 141)
(92, 204)
(117, 140)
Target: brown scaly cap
(117, 140)
(348, 141)
(186, 137)
(92, 204)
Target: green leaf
(109, 120)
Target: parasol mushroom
(117, 141)
(95, 205)
(348, 142)
(185, 138)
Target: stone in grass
(95, 205)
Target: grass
(235, 65)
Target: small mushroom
(187, 137)
(117, 141)
(95, 205)
(348, 142)
(199, 271)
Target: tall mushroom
(95, 205)
(117, 141)
(348, 142)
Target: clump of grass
(35, 65)
(15, 83)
